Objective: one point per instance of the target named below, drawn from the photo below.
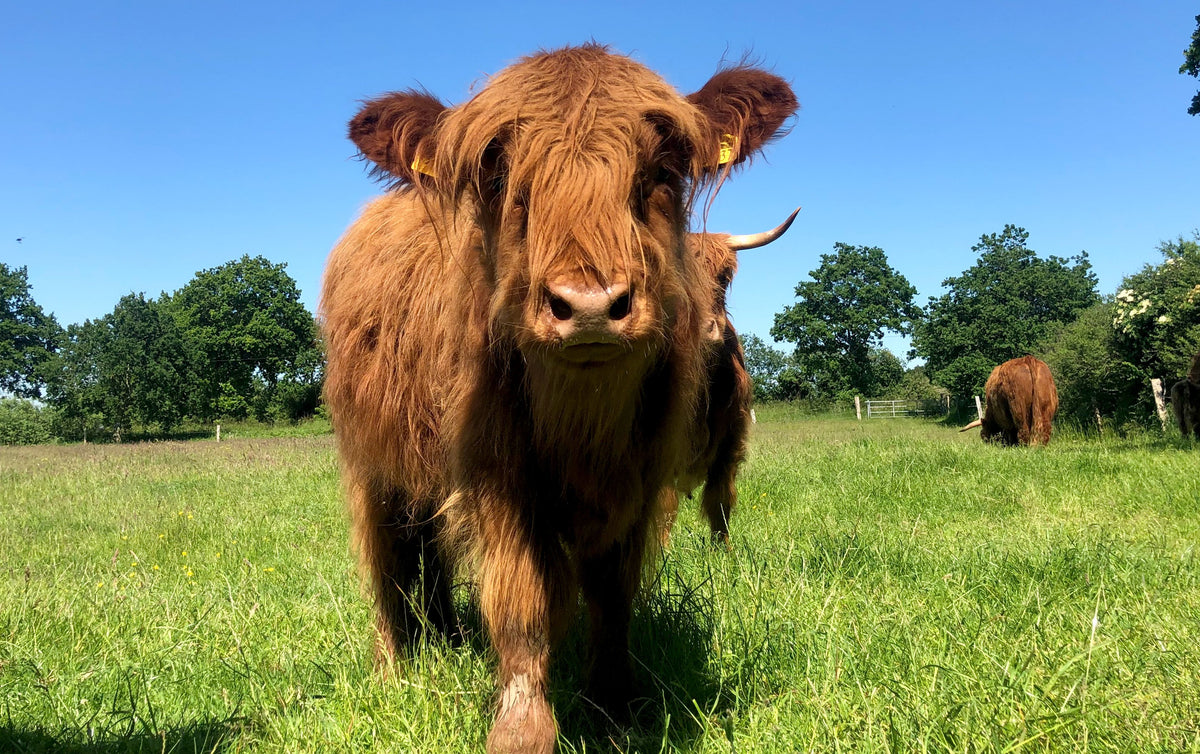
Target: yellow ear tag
(729, 145)
(423, 167)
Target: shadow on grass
(671, 635)
(192, 738)
(178, 435)
(133, 438)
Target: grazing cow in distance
(517, 343)
(1021, 403)
(1185, 400)
(722, 425)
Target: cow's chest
(592, 519)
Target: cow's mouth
(584, 354)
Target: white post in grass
(978, 408)
(858, 407)
(218, 433)
(1160, 401)
(753, 418)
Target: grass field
(893, 586)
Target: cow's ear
(745, 108)
(396, 132)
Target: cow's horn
(972, 425)
(754, 240)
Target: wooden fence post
(218, 433)
(978, 408)
(858, 407)
(1160, 401)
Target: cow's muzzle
(591, 322)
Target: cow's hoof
(524, 724)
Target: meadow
(892, 586)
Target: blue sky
(142, 142)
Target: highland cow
(722, 424)
(1021, 403)
(1185, 400)
(516, 340)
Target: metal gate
(893, 409)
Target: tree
(149, 357)
(1092, 378)
(884, 373)
(914, 385)
(999, 309)
(298, 391)
(765, 365)
(23, 423)
(28, 336)
(843, 312)
(249, 327)
(1156, 314)
(132, 366)
(73, 381)
(1191, 65)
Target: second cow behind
(722, 425)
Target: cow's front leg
(609, 582)
(528, 596)
(408, 575)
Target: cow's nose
(588, 314)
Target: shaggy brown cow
(722, 424)
(516, 349)
(1185, 400)
(1021, 403)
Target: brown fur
(470, 428)
(722, 430)
(721, 426)
(1021, 403)
(722, 423)
(1185, 400)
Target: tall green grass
(893, 585)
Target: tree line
(234, 342)
(1103, 349)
